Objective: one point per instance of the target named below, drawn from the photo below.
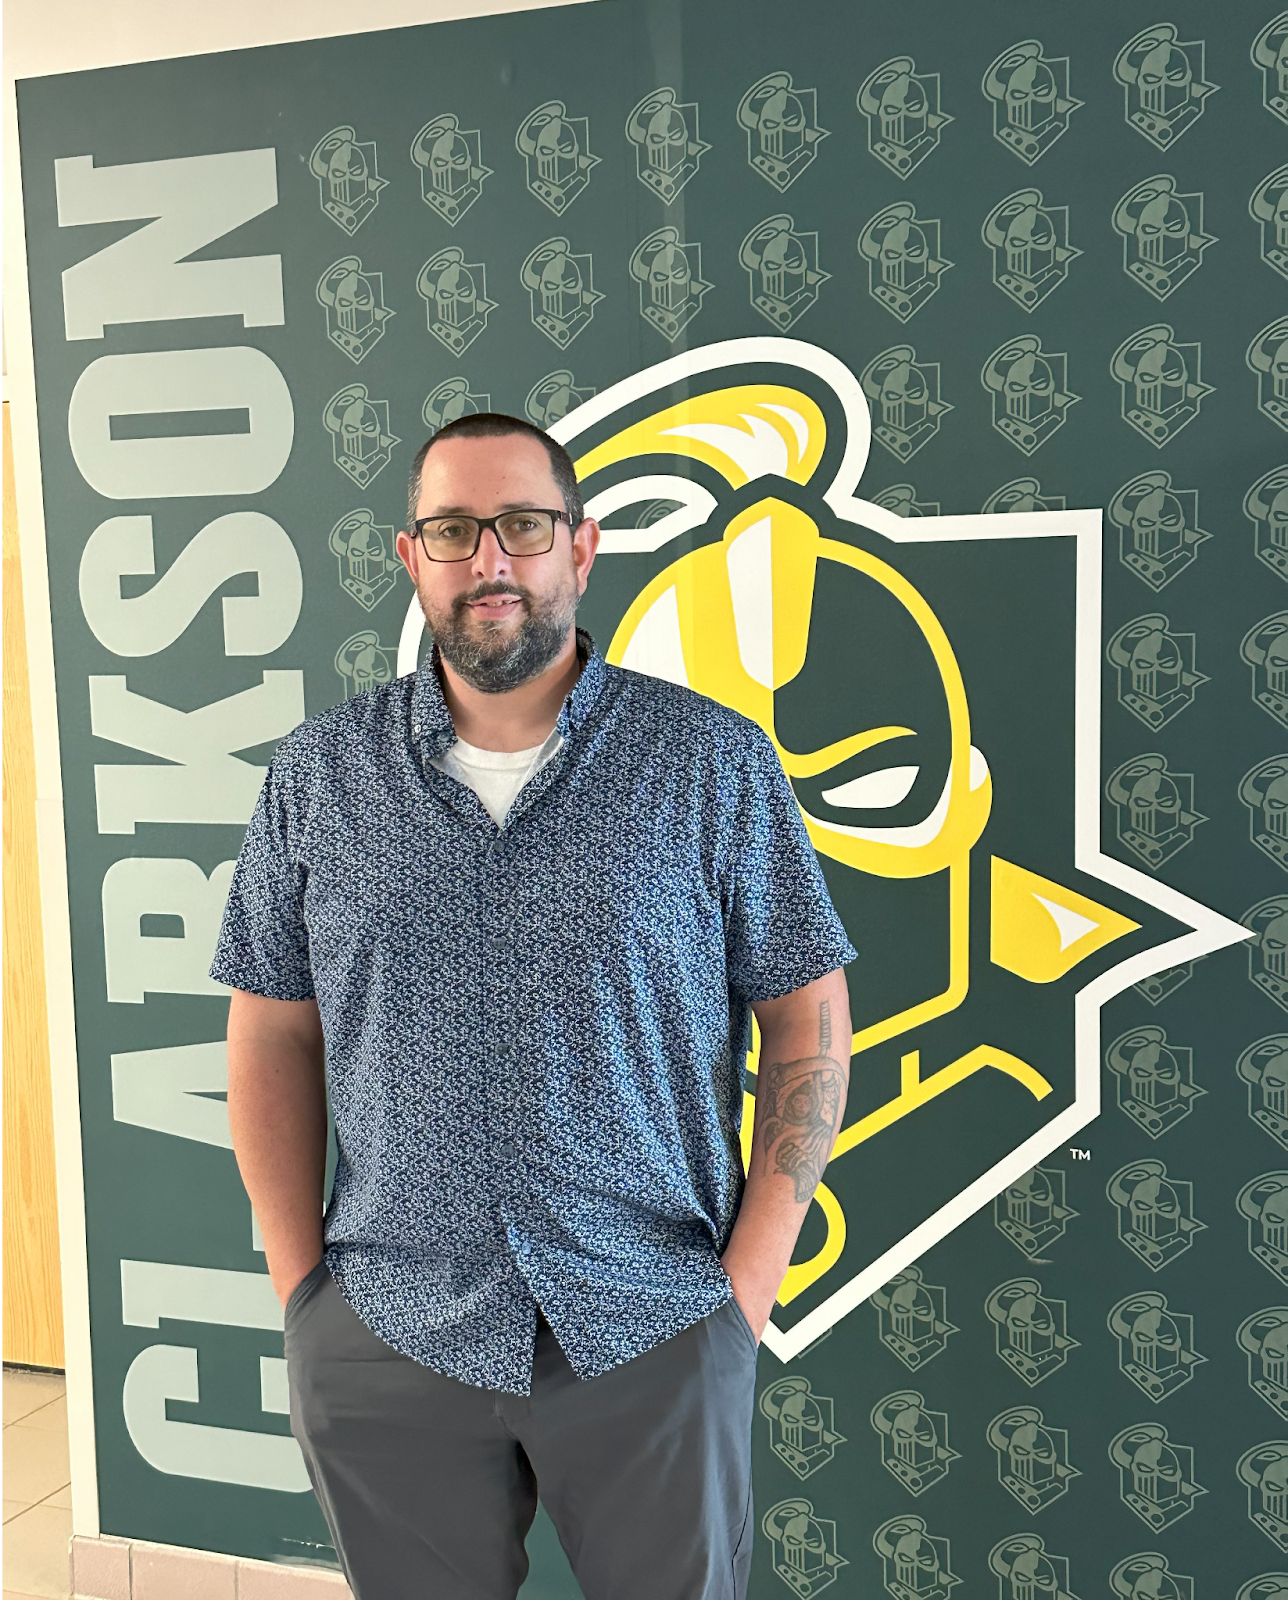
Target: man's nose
(490, 560)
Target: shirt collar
(431, 722)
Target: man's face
(498, 620)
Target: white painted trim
(53, 36)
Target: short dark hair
(495, 425)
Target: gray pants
(429, 1485)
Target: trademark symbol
(1079, 1155)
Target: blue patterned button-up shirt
(535, 1034)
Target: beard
(496, 656)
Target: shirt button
(415, 727)
(507, 1150)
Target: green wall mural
(929, 376)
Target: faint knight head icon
(1161, 382)
(1155, 817)
(1030, 390)
(1029, 241)
(1268, 206)
(1264, 1337)
(915, 1563)
(364, 663)
(1265, 649)
(451, 400)
(554, 396)
(361, 438)
(1155, 1344)
(1026, 1569)
(1157, 676)
(456, 300)
(1266, 506)
(1156, 1475)
(1020, 495)
(904, 256)
(1264, 1469)
(901, 498)
(1264, 790)
(669, 273)
(783, 132)
(1031, 100)
(1162, 234)
(556, 151)
(366, 556)
(1263, 1066)
(914, 1440)
(1268, 357)
(1031, 1332)
(668, 149)
(1032, 1456)
(450, 161)
(348, 184)
(782, 265)
(561, 289)
(1265, 1586)
(1156, 1086)
(1264, 1202)
(802, 1427)
(354, 302)
(1270, 53)
(1268, 947)
(804, 1545)
(903, 114)
(1156, 1218)
(1158, 531)
(1160, 985)
(1163, 81)
(913, 1318)
(1147, 1576)
(1032, 1213)
(904, 392)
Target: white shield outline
(1209, 930)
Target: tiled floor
(37, 1487)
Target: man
(512, 911)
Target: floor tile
(60, 1497)
(35, 1462)
(13, 1507)
(51, 1417)
(25, 1391)
(35, 1553)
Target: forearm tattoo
(798, 1107)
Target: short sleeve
(781, 929)
(263, 945)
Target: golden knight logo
(932, 687)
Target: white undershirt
(496, 776)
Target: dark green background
(150, 1197)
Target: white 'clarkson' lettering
(168, 1089)
(208, 783)
(144, 277)
(241, 541)
(185, 205)
(164, 382)
(151, 1290)
(139, 963)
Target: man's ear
(408, 550)
(585, 544)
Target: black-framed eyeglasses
(519, 533)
